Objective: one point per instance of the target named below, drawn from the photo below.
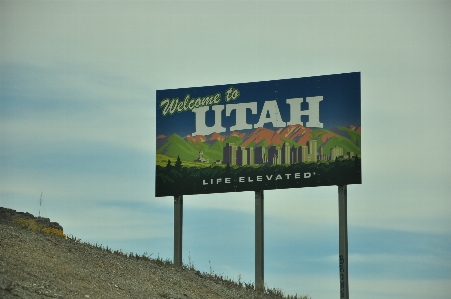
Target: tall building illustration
(294, 157)
(260, 157)
(312, 150)
(277, 155)
(285, 159)
(336, 152)
(229, 154)
(245, 156)
(274, 155)
(250, 155)
(241, 156)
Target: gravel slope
(37, 265)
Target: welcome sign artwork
(288, 133)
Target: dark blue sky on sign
(340, 105)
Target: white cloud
(49, 112)
(114, 126)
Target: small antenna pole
(40, 204)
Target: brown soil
(38, 265)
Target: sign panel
(288, 133)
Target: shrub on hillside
(34, 226)
(54, 231)
(28, 223)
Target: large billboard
(289, 133)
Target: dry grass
(34, 226)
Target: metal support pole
(259, 241)
(178, 226)
(343, 240)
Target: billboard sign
(289, 133)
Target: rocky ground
(38, 265)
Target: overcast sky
(77, 122)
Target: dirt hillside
(35, 264)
